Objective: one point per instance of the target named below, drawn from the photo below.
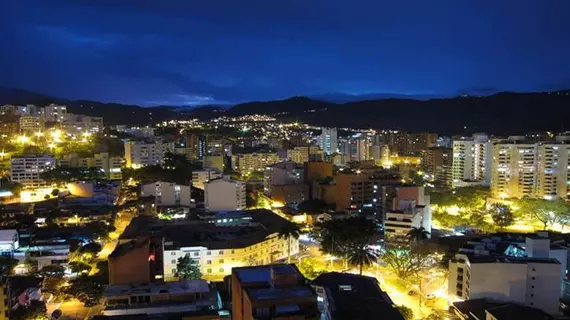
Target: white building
(168, 194)
(328, 140)
(27, 169)
(522, 169)
(31, 124)
(76, 123)
(282, 173)
(42, 255)
(410, 209)
(109, 165)
(139, 154)
(200, 177)
(303, 154)
(8, 242)
(54, 113)
(534, 282)
(472, 160)
(224, 195)
(251, 162)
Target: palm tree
(289, 230)
(418, 235)
(361, 255)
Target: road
(73, 310)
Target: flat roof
(176, 287)
(508, 259)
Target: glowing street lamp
(23, 139)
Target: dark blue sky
(188, 51)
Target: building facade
(200, 177)
(168, 194)
(54, 113)
(27, 169)
(224, 194)
(328, 140)
(411, 209)
(437, 164)
(305, 154)
(472, 160)
(139, 154)
(251, 162)
(109, 165)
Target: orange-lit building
(317, 170)
(272, 292)
(356, 190)
(137, 261)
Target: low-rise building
(351, 296)
(109, 165)
(486, 309)
(305, 154)
(272, 292)
(27, 169)
(159, 298)
(8, 242)
(169, 194)
(31, 124)
(200, 177)
(410, 210)
(224, 194)
(38, 255)
(282, 174)
(137, 261)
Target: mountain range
(501, 113)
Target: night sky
(193, 51)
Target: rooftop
(356, 297)
(176, 287)
(476, 310)
(505, 259)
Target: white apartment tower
(169, 194)
(139, 154)
(27, 169)
(224, 195)
(54, 113)
(328, 140)
(538, 170)
(472, 159)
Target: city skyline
(178, 53)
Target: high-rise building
(251, 162)
(305, 154)
(328, 140)
(27, 169)
(224, 195)
(472, 160)
(54, 113)
(282, 173)
(531, 169)
(437, 164)
(140, 154)
(272, 292)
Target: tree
(405, 263)
(418, 235)
(289, 230)
(36, 310)
(337, 237)
(52, 270)
(87, 289)
(7, 264)
(55, 192)
(547, 212)
(502, 215)
(308, 268)
(312, 206)
(79, 267)
(187, 268)
(361, 256)
(436, 316)
(406, 312)
(91, 247)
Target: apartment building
(224, 194)
(410, 209)
(280, 174)
(137, 261)
(169, 194)
(54, 113)
(109, 165)
(272, 292)
(201, 177)
(140, 154)
(27, 169)
(139, 300)
(437, 164)
(31, 124)
(343, 296)
(328, 140)
(305, 154)
(524, 169)
(472, 160)
(77, 123)
(534, 282)
(251, 162)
